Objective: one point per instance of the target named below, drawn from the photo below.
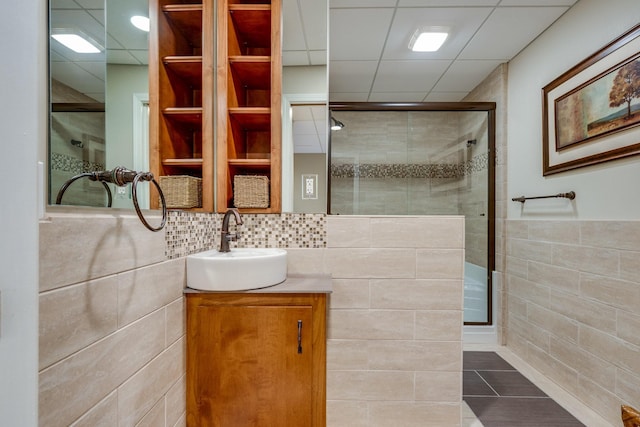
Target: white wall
(122, 82)
(304, 79)
(607, 191)
(23, 124)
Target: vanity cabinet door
(250, 362)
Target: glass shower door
(417, 162)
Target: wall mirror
(99, 101)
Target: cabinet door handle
(299, 336)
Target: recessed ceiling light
(140, 22)
(427, 41)
(76, 41)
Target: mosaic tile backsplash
(192, 232)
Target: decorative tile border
(65, 163)
(192, 232)
(402, 170)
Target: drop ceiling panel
(315, 27)
(521, 24)
(397, 96)
(119, 13)
(121, 57)
(465, 75)
(292, 30)
(445, 96)
(92, 4)
(405, 76)
(63, 4)
(348, 96)
(537, 2)
(81, 20)
(304, 127)
(358, 34)
(361, 3)
(461, 22)
(447, 3)
(77, 78)
(309, 128)
(351, 76)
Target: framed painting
(591, 113)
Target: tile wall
(112, 341)
(112, 338)
(573, 298)
(395, 322)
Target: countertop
(294, 284)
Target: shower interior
(424, 160)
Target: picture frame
(591, 113)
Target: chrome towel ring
(121, 176)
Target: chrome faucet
(225, 236)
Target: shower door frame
(490, 109)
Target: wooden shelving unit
(249, 81)
(181, 92)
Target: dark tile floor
(500, 396)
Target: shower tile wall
(395, 138)
(414, 163)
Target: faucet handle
(231, 237)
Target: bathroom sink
(240, 269)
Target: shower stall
(421, 159)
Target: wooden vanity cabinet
(256, 359)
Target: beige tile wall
(395, 321)
(573, 297)
(112, 338)
(112, 342)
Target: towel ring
(121, 176)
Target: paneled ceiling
(370, 60)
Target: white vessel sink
(239, 270)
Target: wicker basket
(250, 191)
(182, 191)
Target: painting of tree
(591, 112)
(605, 104)
(626, 86)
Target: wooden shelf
(187, 68)
(187, 115)
(249, 74)
(252, 71)
(183, 163)
(181, 93)
(251, 118)
(187, 19)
